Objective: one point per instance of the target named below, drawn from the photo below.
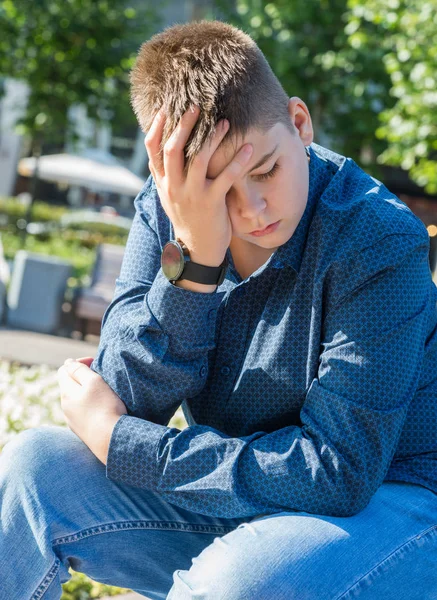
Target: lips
(270, 228)
(261, 230)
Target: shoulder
(361, 230)
(356, 211)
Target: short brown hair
(214, 65)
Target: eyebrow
(264, 159)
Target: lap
(132, 537)
(388, 550)
(115, 533)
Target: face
(275, 192)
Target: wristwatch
(176, 264)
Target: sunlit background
(72, 157)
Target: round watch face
(172, 261)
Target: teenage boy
(284, 297)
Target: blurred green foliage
(306, 43)
(366, 69)
(41, 211)
(72, 52)
(76, 243)
(407, 34)
(80, 257)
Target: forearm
(153, 349)
(99, 436)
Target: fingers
(66, 382)
(79, 371)
(174, 159)
(201, 160)
(172, 166)
(152, 142)
(86, 360)
(223, 182)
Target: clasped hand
(195, 205)
(91, 408)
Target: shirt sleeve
(369, 367)
(155, 337)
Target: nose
(248, 201)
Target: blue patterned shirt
(305, 385)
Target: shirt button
(203, 371)
(225, 370)
(212, 313)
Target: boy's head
(221, 69)
(211, 64)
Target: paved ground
(30, 348)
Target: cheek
(232, 214)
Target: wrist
(204, 259)
(100, 433)
(207, 257)
(193, 286)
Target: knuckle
(234, 168)
(170, 149)
(168, 191)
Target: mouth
(269, 229)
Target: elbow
(355, 504)
(353, 497)
(346, 494)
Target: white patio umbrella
(93, 174)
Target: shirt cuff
(187, 316)
(132, 453)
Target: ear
(301, 119)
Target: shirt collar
(321, 172)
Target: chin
(266, 244)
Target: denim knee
(38, 456)
(265, 560)
(226, 570)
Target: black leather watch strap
(203, 274)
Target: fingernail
(248, 150)
(193, 108)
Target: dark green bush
(41, 211)
(80, 255)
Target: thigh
(388, 551)
(59, 508)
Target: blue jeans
(58, 510)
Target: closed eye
(269, 174)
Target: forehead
(262, 144)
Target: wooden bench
(90, 303)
